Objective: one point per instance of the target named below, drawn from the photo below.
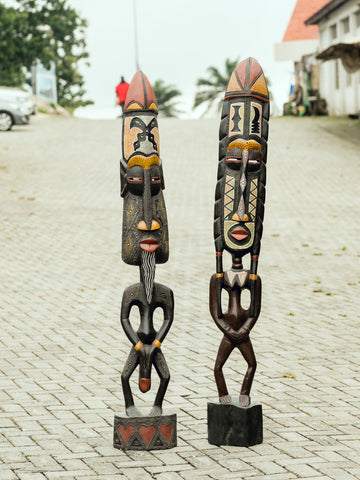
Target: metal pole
(136, 39)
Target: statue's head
(144, 214)
(240, 191)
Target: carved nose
(144, 384)
(236, 218)
(143, 226)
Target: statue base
(233, 425)
(145, 432)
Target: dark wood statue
(239, 212)
(144, 243)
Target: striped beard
(148, 273)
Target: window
(333, 32)
(337, 80)
(345, 24)
(348, 79)
(357, 19)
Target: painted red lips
(149, 245)
(239, 234)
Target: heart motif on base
(166, 430)
(126, 432)
(147, 433)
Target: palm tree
(214, 87)
(165, 94)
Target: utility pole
(136, 38)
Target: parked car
(16, 107)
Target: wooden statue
(144, 243)
(239, 212)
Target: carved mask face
(240, 191)
(144, 213)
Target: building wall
(340, 89)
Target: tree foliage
(212, 89)
(47, 30)
(165, 95)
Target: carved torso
(135, 296)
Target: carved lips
(149, 245)
(239, 234)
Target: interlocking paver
(62, 278)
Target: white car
(16, 107)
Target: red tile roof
(296, 29)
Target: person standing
(121, 90)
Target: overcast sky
(179, 39)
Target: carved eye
(134, 179)
(254, 159)
(155, 180)
(234, 162)
(234, 158)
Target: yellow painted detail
(244, 145)
(157, 343)
(245, 218)
(153, 106)
(139, 346)
(253, 277)
(233, 85)
(142, 225)
(155, 225)
(260, 86)
(144, 162)
(135, 106)
(219, 275)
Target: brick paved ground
(62, 278)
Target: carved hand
(237, 336)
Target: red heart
(166, 430)
(126, 432)
(147, 433)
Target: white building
(339, 50)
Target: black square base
(145, 432)
(233, 425)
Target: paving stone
(62, 277)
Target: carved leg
(225, 348)
(247, 352)
(164, 374)
(129, 367)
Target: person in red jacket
(121, 92)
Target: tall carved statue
(145, 243)
(238, 225)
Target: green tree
(48, 31)
(12, 49)
(165, 95)
(212, 89)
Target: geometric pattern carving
(253, 198)
(145, 432)
(229, 195)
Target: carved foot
(155, 411)
(225, 399)
(132, 411)
(244, 400)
